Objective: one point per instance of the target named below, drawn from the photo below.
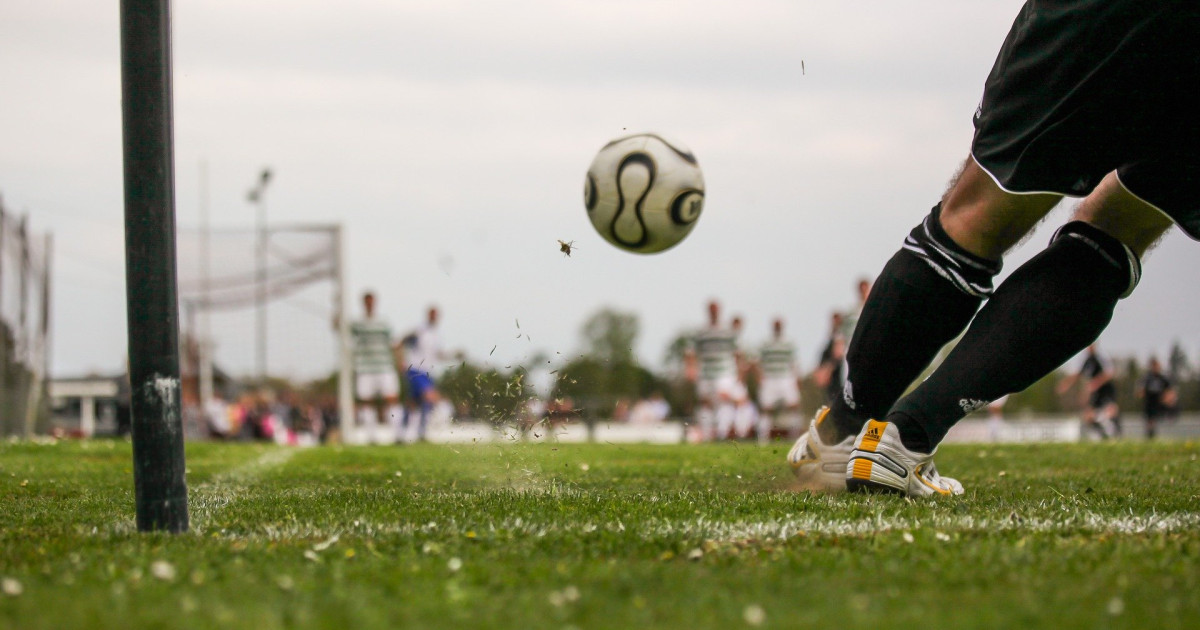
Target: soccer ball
(644, 193)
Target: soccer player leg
(927, 293)
(725, 411)
(422, 386)
(779, 402)
(390, 391)
(366, 390)
(746, 417)
(1050, 309)
(705, 410)
(744, 412)
(724, 414)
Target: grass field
(599, 536)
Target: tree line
(607, 371)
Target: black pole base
(151, 296)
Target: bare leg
(928, 293)
(1046, 312)
(984, 219)
(1123, 216)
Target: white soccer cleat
(880, 462)
(820, 466)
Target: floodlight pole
(258, 196)
(345, 393)
(150, 276)
(204, 348)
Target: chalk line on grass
(210, 498)
(769, 529)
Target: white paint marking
(209, 498)
(773, 529)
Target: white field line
(209, 498)
(765, 530)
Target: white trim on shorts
(779, 390)
(712, 388)
(1001, 186)
(1117, 173)
(382, 384)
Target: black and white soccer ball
(644, 193)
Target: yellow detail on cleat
(870, 440)
(821, 413)
(921, 478)
(862, 469)
(799, 463)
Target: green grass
(601, 536)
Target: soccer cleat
(820, 466)
(880, 462)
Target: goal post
(345, 392)
(152, 308)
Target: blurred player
(375, 375)
(829, 374)
(422, 351)
(1087, 98)
(1158, 396)
(1099, 394)
(862, 289)
(712, 362)
(779, 383)
(745, 413)
(995, 421)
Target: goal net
(261, 304)
(24, 324)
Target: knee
(930, 243)
(1111, 250)
(1120, 214)
(986, 220)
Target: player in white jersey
(422, 351)
(711, 363)
(779, 382)
(375, 375)
(850, 319)
(745, 413)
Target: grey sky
(451, 139)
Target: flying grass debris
(163, 570)
(11, 587)
(322, 546)
(754, 615)
(566, 247)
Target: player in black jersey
(830, 365)
(1098, 398)
(1158, 396)
(1087, 98)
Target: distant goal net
(257, 306)
(24, 325)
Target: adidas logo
(970, 404)
(873, 433)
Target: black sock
(924, 297)
(1045, 313)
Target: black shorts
(1082, 88)
(1105, 395)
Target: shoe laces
(930, 473)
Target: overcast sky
(451, 138)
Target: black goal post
(153, 312)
